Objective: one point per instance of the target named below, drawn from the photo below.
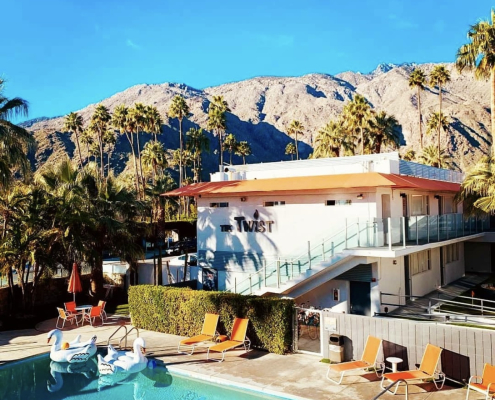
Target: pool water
(40, 378)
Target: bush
(181, 311)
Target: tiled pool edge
(225, 382)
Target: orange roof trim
(313, 184)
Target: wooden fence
(465, 350)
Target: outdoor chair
(238, 338)
(102, 304)
(427, 370)
(62, 315)
(93, 314)
(368, 360)
(487, 384)
(70, 309)
(208, 332)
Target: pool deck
(294, 376)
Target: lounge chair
(70, 308)
(102, 304)
(238, 338)
(62, 315)
(487, 384)
(427, 370)
(368, 360)
(208, 332)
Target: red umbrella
(74, 281)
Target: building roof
(358, 181)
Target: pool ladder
(127, 332)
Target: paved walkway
(294, 376)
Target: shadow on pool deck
(294, 376)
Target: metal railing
(424, 171)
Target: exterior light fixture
(403, 195)
(360, 196)
(437, 196)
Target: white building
(337, 232)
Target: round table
(394, 361)
(85, 309)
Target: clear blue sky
(62, 55)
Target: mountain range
(263, 107)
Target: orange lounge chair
(93, 314)
(427, 370)
(208, 332)
(64, 316)
(238, 338)
(487, 384)
(102, 304)
(368, 360)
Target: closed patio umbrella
(74, 281)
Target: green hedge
(181, 312)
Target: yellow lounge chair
(427, 370)
(208, 332)
(368, 360)
(238, 338)
(487, 384)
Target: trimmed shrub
(181, 311)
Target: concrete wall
(322, 296)
(456, 269)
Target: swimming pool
(40, 378)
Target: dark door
(407, 277)
(360, 298)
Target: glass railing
(360, 233)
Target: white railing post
(346, 233)
(404, 232)
(358, 235)
(264, 273)
(389, 233)
(417, 231)
(309, 254)
(278, 273)
(250, 284)
(292, 267)
(427, 229)
(235, 285)
(323, 249)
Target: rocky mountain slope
(262, 108)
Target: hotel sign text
(249, 225)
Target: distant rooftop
(387, 163)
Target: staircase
(293, 275)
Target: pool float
(57, 369)
(73, 352)
(121, 361)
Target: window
(217, 205)
(274, 203)
(451, 253)
(338, 202)
(419, 205)
(419, 262)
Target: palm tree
(109, 141)
(436, 122)
(290, 149)
(439, 77)
(243, 150)
(417, 80)
(138, 117)
(217, 121)
(384, 130)
(357, 114)
(409, 155)
(122, 122)
(180, 110)
(99, 124)
(154, 157)
(477, 189)
(479, 54)
(329, 140)
(154, 121)
(73, 124)
(231, 144)
(197, 142)
(15, 141)
(431, 156)
(295, 128)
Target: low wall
(465, 350)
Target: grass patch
(122, 309)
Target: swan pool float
(73, 352)
(122, 361)
(57, 369)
